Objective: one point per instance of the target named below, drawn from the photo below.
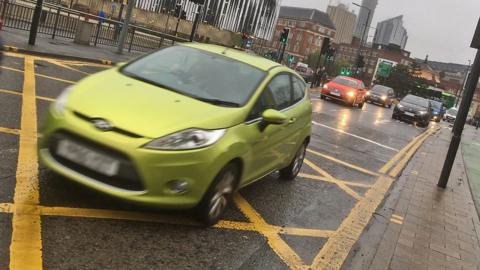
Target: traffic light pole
(195, 23)
(282, 52)
(35, 22)
(462, 113)
(123, 34)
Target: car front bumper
(402, 115)
(145, 176)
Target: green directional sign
(384, 69)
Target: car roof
(251, 59)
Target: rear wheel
(219, 195)
(291, 172)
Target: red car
(347, 89)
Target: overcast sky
(443, 29)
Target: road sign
(384, 69)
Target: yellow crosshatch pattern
(26, 242)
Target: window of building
(301, 24)
(299, 36)
(310, 39)
(292, 23)
(370, 71)
(321, 30)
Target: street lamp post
(462, 112)
(363, 34)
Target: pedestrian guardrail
(58, 21)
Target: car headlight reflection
(187, 140)
(422, 112)
(59, 105)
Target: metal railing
(57, 21)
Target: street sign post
(462, 112)
(35, 22)
(123, 34)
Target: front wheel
(360, 106)
(219, 195)
(322, 96)
(291, 172)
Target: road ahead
(311, 222)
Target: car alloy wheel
(219, 195)
(293, 169)
(223, 191)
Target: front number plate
(87, 158)
(335, 92)
(409, 114)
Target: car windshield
(346, 82)
(380, 89)
(437, 105)
(453, 112)
(198, 74)
(419, 101)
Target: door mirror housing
(274, 117)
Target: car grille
(127, 177)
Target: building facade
(390, 32)
(308, 28)
(347, 53)
(255, 17)
(364, 19)
(344, 21)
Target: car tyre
(291, 171)
(390, 106)
(360, 106)
(219, 195)
(322, 97)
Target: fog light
(178, 186)
(351, 94)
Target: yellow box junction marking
(346, 164)
(26, 244)
(20, 93)
(328, 178)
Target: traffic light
(284, 35)
(325, 46)
(360, 61)
(291, 59)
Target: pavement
(17, 40)
(426, 227)
(314, 222)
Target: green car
(183, 127)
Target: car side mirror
(274, 117)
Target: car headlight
(384, 98)
(351, 94)
(59, 104)
(422, 112)
(187, 140)
(368, 93)
(325, 87)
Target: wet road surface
(272, 225)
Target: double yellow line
(400, 160)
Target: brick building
(308, 28)
(372, 55)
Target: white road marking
(356, 136)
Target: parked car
(413, 109)
(451, 115)
(438, 110)
(306, 72)
(347, 89)
(181, 130)
(382, 95)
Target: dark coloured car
(347, 89)
(414, 109)
(438, 110)
(382, 95)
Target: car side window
(280, 88)
(298, 89)
(277, 95)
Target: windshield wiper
(218, 102)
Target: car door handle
(292, 120)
